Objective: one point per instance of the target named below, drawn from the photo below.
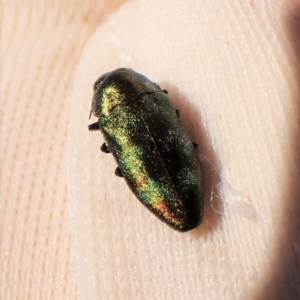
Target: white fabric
(71, 229)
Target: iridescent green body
(153, 151)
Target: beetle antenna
(90, 114)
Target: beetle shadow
(191, 120)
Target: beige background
(70, 229)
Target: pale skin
(232, 70)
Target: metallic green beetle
(153, 151)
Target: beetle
(142, 130)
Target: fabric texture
(70, 229)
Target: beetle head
(120, 87)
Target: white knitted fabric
(71, 229)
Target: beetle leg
(165, 91)
(177, 113)
(104, 148)
(94, 126)
(195, 145)
(118, 172)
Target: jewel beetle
(142, 130)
